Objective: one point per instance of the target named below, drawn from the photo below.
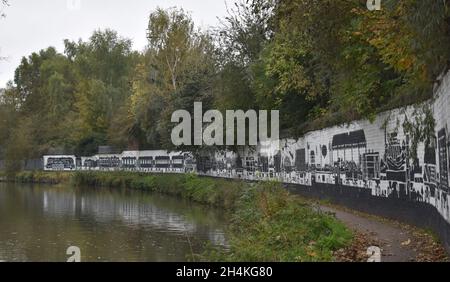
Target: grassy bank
(270, 225)
(208, 191)
(267, 224)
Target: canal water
(39, 223)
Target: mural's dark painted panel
(277, 161)
(353, 139)
(443, 159)
(300, 160)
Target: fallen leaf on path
(406, 243)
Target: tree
(246, 29)
(103, 67)
(177, 70)
(19, 146)
(9, 104)
(169, 36)
(240, 39)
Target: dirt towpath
(398, 242)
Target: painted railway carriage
(145, 161)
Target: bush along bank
(267, 224)
(39, 177)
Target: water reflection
(38, 224)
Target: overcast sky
(31, 25)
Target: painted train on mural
(378, 156)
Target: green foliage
(348, 62)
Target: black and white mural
(376, 156)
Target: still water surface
(39, 223)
